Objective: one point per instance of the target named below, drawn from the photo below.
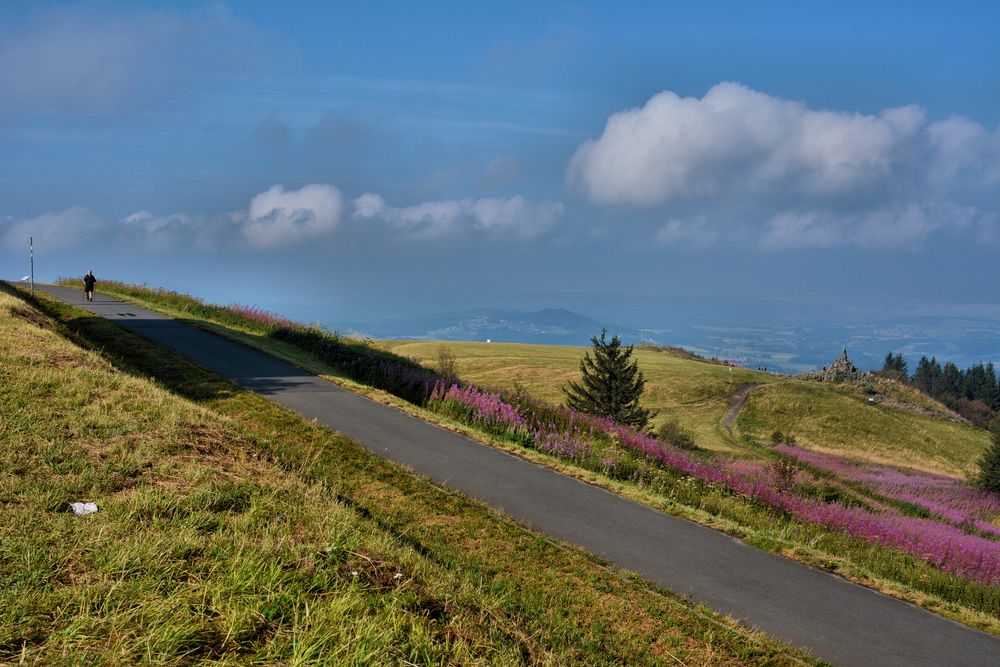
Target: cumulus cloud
(964, 150)
(280, 218)
(736, 139)
(276, 219)
(515, 217)
(63, 229)
(906, 226)
(809, 177)
(161, 233)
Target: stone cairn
(841, 370)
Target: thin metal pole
(31, 257)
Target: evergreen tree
(895, 363)
(989, 465)
(902, 366)
(952, 380)
(923, 377)
(991, 393)
(975, 383)
(889, 363)
(611, 384)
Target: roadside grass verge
(232, 530)
(885, 569)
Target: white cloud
(369, 205)
(280, 218)
(887, 227)
(166, 232)
(735, 139)
(515, 217)
(64, 229)
(799, 176)
(966, 151)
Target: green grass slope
(824, 416)
(857, 559)
(840, 421)
(233, 531)
(693, 392)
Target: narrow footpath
(736, 402)
(838, 621)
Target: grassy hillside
(693, 392)
(749, 501)
(838, 420)
(823, 416)
(231, 530)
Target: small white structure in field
(488, 340)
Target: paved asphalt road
(838, 621)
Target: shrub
(783, 473)
(447, 365)
(674, 434)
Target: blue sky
(344, 161)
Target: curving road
(838, 621)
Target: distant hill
(550, 326)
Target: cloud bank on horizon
(753, 167)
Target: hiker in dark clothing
(88, 285)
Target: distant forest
(973, 393)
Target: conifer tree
(952, 380)
(895, 363)
(611, 384)
(989, 465)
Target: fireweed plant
(954, 533)
(599, 444)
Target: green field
(233, 531)
(830, 417)
(692, 392)
(827, 418)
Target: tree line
(974, 392)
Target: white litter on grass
(83, 509)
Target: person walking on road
(88, 285)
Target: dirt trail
(736, 402)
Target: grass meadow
(233, 531)
(692, 392)
(824, 416)
(790, 523)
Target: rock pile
(841, 370)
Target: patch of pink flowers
(488, 408)
(942, 544)
(260, 316)
(947, 497)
